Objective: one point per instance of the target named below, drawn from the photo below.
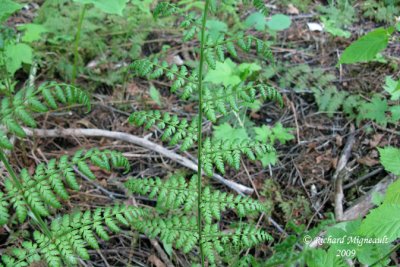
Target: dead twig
(340, 173)
(241, 189)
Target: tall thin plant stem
(199, 129)
(76, 45)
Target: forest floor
(300, 188)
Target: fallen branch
(341, 173)
(364, 203)
(241, 189)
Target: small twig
(161, 252)
(295, 120)
(102, 189)
(340, 172)
(364, 203)
(241, 189)
(362, 178)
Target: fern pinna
(18, 109)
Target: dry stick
(241, 189)
(340, 172)
(362, 205)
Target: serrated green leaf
(7, 8)
(393, 193)
(391, 87)
(216, 29)
(227, 132)
(223, 73)
(367, 47)
(16, 54)
(281, 134)
(375, 110)
(390, 159)
(32, 32)
(383, 222)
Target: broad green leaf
(155, 95)
(390, 159)
(223, 74)
(32, 32)
(16, 54)
(227, 132)
(367, 47)
(246, 70)
(393, 193)
(107, 6)
(320, 257)
(216, 29)
(279, 22)
(7, 8)
(391, 87)
(256, 20)
(383, 222)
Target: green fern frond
(180, 77)
(173, 129)
(4, 216)
(259, 5)
(176, 192)
(164, 9)
(171, 193)
(230, 97)
(42, 191)
(217, 153)
(213, 203)
(216, 242)
(180, 231)
(72, 234)
(18, 110)
(215, 50)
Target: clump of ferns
(196, 222)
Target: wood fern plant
(188, 212)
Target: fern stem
(76, 46)
(199, 128)
(13, 175)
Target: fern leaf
(4, 216)
(19, 111)
(164, 9)
(4, 142)
(49, 182)
(226, 151)
(173, 129)
(71, 234)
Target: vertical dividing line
(199, 129)
(76, 46)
